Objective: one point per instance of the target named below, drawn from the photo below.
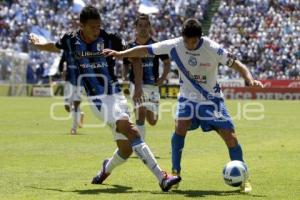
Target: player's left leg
(152, 106)
(78, 115)
(235, 152)
(152, 117)
(119, 157)
(112, 109)
(140, 116)
(230, 139)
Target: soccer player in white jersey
(98, 76)
(201, 102)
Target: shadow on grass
(203, 193)
(118, 189)
(114, 189)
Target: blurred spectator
(264, 34)
(17, 18)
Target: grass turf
(39, 159)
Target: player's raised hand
(113, 53)
(33, 39)
(256, 84)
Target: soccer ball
(234, 173)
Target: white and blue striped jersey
(197, 68)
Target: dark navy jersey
(96, 72)
(72, 72)
(150, 65)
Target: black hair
(89, 12)
(191, 28)
(142, 17)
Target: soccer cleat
(102, 175)
(80, 124)
(168, 181)
(175, 186)
(73, 131)
(246, 186)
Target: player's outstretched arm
(245, 73)
(138, 51)
(42, 46)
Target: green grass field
(40, 160)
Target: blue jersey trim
(150, 50)
(181, 67)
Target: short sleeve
(163, 47)
(62, 42)
(222, 55)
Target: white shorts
(151, 96)
(72, 93)
(110, 109)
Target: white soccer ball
(234, 173)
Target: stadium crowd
(18, 18)
(264, 34)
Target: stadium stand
(263, 34)
(18, 18)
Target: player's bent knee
(128, 129)
(67, 108)
(181, 127)
(125, 148)
(76, 104)
(181, 131)
(152, 122)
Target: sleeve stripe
(150, 50)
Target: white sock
(78, 113)
(114, 161)
(144, 153)
(142, 131)
(75, 121)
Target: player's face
(191, 43)
(91, 29)
(143, 28)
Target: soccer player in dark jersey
(147, 78)
(104, 93)
(72, 91)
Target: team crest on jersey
(100, 46)
(192, 61)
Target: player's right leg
(177, 144)
(69, 106)
(144, 153)
(183, 122)
(78, 115)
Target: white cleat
(246, 186)
(80, 124)
(73, 131)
